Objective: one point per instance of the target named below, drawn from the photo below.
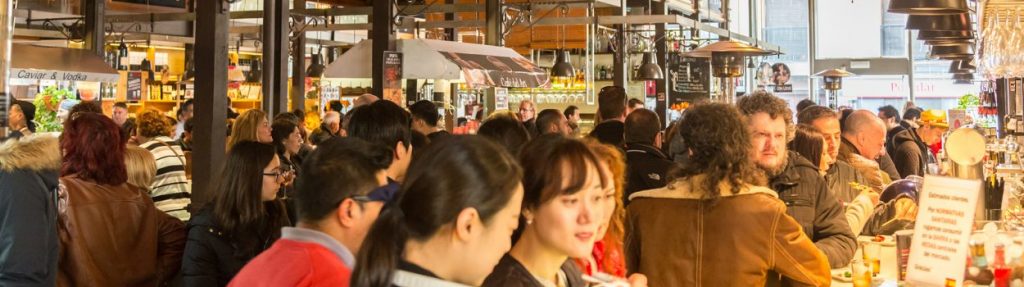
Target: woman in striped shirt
(171, 189)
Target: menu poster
(500, 98)
(393, 78)
(939, 249)
(689, 79)
(134, 86)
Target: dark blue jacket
(29, 170)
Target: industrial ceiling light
(951, 52)
(650, 70)
(939, 22)
(928, 7)
(927, 35)
(946, 42)
(316, 66)
(963, 77)
(961, 66)
(563, 68)
(255, 71)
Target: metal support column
(94, 39)
(661, 86)
(268, 36)
(450, 32)
(6, 36)
(812, 46)
(298, 94)
(383, 34)
(621, 57)
(211, 97)
(494, 16)
(910, 66)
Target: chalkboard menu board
(134, 86)
(689, 79)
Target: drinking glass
(861, 271)
(872, 255)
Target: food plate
(883, 240)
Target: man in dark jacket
(611, 108)
(29, 169)
(911, 153)
(796, 179)
(646, 165)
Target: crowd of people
(750, 194)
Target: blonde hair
(141, 166)
(246, 126)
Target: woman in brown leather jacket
(713, 225)
(110, 232)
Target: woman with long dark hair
(110, 232)
(244, 218)
(564, 184)
(810, 143)
(448, 225)
(714, 224)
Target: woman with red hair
(110, 232)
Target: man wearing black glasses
(611, 112)
(527, 115)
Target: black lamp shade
(562, 67)
(946, 42)
(726, 64)
(963, 77)
(939, 22)
(951, 52)
(650, 70)
(255, 72)
(122, 50)
(928, 35)
(928, 7)
(316, 66)
(961, 67)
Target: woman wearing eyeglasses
(244, 218)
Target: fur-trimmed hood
(37, 152)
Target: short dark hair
(642, 126)
(611, 102)
(765, 102)
(570, 111)
(633, 102)
(912, 114)
(287, 116)
(425, 110)
(122, 105)
(381, 123)
(888, 112)
(803, 104)
(546, 119)
(813, 113)
(280, 130)
(808, 141)
(506, 131)
(339, 168)
(185, 106)
(335, 105)
(188, 125)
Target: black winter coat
(510, 273)
(839, 177)
(28, 215)
(911, 155)
(809, 201)
(210, 257)
(646, 168)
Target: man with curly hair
(795, 179)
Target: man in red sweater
(338, 195)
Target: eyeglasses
(281, 172)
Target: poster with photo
(393, 78)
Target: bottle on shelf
(604, 73)
(1001, 270)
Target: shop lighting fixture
(833, 82)
(650, 70)
(928, 7)
(727, 62)
(962, 66)
(963, 77)
(930, 35)
(954, 22)
(951, 52)
(316, 66)
(562, 68)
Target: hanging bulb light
(122, 49)
(255, 71)
(750, 63)
(563, 68)
(147, 67)
(316, 66)
(928, 7)
(650, 70)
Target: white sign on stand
(939, 249)
(500, 98)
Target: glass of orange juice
(872, 252)
(861, 271)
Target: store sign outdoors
(938, 251)
(32, 74)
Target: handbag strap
(176, 154)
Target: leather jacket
(115, 236)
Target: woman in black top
(563, 183)
(244, 218)
(449, 226)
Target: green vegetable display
(47, 103)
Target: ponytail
(382, 249)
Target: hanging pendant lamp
(563, 68)
(951, 52)
(963, 77)
(928, 7)
(926, 35)
(316, 66)
(255, 71)
(650, 70)
(961, 67)
(946, 42)
(939, 22)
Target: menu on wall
(500, 98)
(938, 250)
(689, 79)
(134, 86)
